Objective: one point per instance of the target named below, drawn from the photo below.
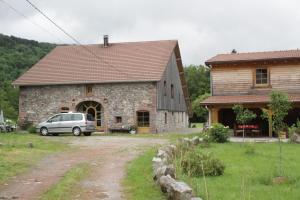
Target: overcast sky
(204, 28)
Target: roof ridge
(129, 42)
(253, 52)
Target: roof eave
(88, 82)
(210, 63)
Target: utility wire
(32, 22)
(73, 38)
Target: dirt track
(107, 156)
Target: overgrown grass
(67, 186)
(16, 156)
(250, 176)
(139, 184)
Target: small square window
(89, 90)
(261, 76)
(118, 119)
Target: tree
(200, 113)
(16, 56)
(198, 80)
(277, 110)
(243, 116)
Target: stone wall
(175, 121)
(38, 103)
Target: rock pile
(164, 172)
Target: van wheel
(76, 131)
(87, 134)
(44, 131)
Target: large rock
(164, 171)
(165, 183)
(195, 140)
(163, 155)
(180, 191)
(157, 162)
(170, 149)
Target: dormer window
(262, 76)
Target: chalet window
(172, 91)
(143, 118)
(179, 97)
(261, 76)
(165, 88)
(118, 119)
(166, 118)
(89, 90)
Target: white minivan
(75, 123)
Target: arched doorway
(93, 108)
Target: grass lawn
(249, 176)
(139, 184)
(198, 125)
(67, 186)
(16, 156)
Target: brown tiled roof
(254, 56)
(243, 99)
(120, 62)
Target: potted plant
(132, 129)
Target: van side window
(66, 117)
(56, 118)
(76, 117)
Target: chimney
(105, 41)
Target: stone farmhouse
(247, 79)
(137, 84)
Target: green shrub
(197, 164)
(31, 129)
(219, 133)
(205, 139)
(293, 131)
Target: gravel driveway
(107, 155)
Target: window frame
(172, 91)
(144, 122)
(255, 84)
(88, 90)
(118, 119)
(165, 88)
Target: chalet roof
(120, 62)
(253, 56)
(243, 99)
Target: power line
(73, 38)
(27, 18)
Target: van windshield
(90, 117)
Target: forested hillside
(16, 56)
